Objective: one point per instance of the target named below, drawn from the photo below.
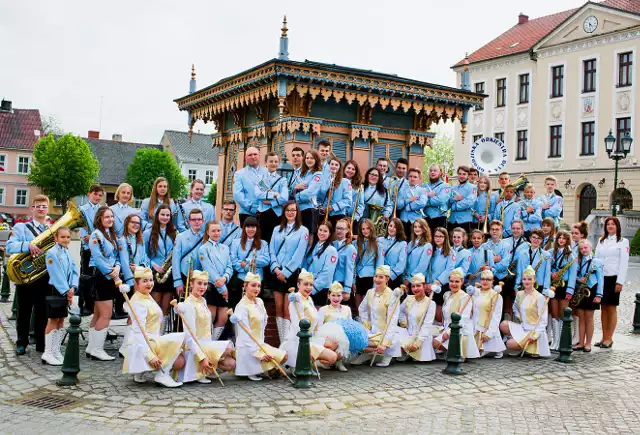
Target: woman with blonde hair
(122, 209)
(159, 195)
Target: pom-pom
(398, 292)
(124, 288)
(471, 290)
(292, 297)
(356, 333)
(436, 288)
(551, 294)
(234, 319)
(498, 289)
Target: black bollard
(636, 316)
(454, 351)
(565, 338)
(303, 360)
(71, 364)
(5, 291)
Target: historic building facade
(282, 104)
(556, 85)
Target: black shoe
(606, 346)
(598, 344)
(4, 300)
(21, 350)
(578, 348)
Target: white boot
(575, 331)
(97, 350)
(204, 381)
(90, 340)
(254, 378)
(125, 341)
(550, 329)
(361, 359)
(340, 365)
(279, 327)
(557, 331)
(56, 346)
(286, 325)
(384, 362)
(164, 379)
(48, 356)
(217, 332)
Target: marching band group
(402, 254)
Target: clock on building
(590, 24)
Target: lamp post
(620, 152)
(285, 170)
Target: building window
(208, 177)
(623, 125)
(192, 175)
(1, 195)
(521, 153)
(555, 141)
(22, 196)
(499, 136)
(3, 163)
(625, 66)
(524, 88)
(23, 165)
(557, 80)
(477, 137)
(589, 75)
(57, 203)
(588, 137)
(480, 88)
(501, 92)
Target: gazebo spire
(284, 41)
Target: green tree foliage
(63, 168)
(441, 152)
(211, 196)
(151, 163)
(635, 244)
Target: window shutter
(379, 152)
(395, 152)
(339, 148)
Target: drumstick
(246, 330)
(144, 333)
(174, 304)
(315, 365)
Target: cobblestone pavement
(599, 393)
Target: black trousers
(31, 298)
(268, 221)
(85, 285)
(436, 222)
(334, 220)
(407, 229)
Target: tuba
(23, 268)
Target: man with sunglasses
(31, 297)
(230, 230)
(185, 248)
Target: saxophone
(535, 269)
(161, 278)
(582, 290)
(560, 282)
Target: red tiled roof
(17, 129)
(521, 37)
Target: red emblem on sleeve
(475, 191)
(316, 178)
(453, 257)
(353, 256)
(333, 258)
(201, 257)
(95, 242)
(50, 261)
(429, 251)
(628, 250)
(349, 186)
(469, 258)
(306, 236)
(446, 189)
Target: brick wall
(271, 333)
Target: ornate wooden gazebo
(281, 104)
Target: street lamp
(620, 152)
(285, 170)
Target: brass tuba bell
(23, 268)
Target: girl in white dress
(487, 309)
(416, 320)
(205, 355)
(301, 306)
(380, 307)
(457, 301)
(167, 349)
(251, 361)
(331, 312)
(531, 308)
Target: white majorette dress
(166, 347)
(254, 316)
(198, 317)
(306, 307)
(416, 321)
(375, 311)
(453, 304)
(329, 313)
(529, 308)
(487, 310)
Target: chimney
(522, 18)
(93, 134)
(116, 137)
(5, 106)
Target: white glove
(124, 288)
(498, 289)
(436, 288)
(471, 290)
(549, 293)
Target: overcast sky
(63, 57)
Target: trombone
(329, 197)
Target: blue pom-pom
(356, 333)
(292, 297)
(234, 319)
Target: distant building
(196, 158)
(20, 130)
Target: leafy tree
(63, 168)
(212, 195)
(635, 244)
(151, 163)
(51, 125)
(441, 152)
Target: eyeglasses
(229, 209)
(196, 219)
(373, 175)
(41, 207)
(291, 211)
